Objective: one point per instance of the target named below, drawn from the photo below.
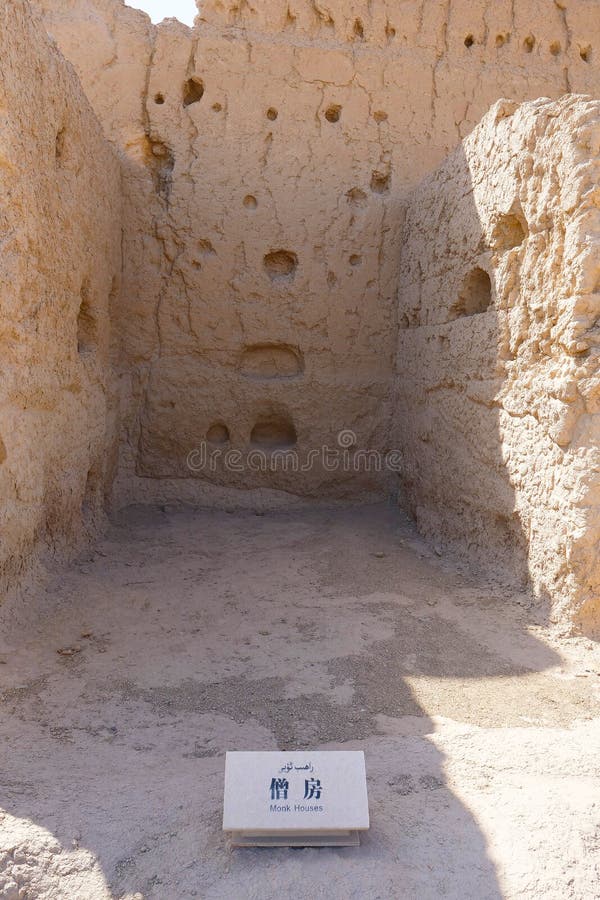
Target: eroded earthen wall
(59, 272)
(498, 388)
(267, 158)
(267, 154)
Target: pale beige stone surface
(498, 377)
(60, 265)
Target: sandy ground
(188, 633)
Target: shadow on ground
(188, 634)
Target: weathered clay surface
(59, 274)
(285, 128)
(256, 265)
(267, 156)
(192, 633)
(498, 375)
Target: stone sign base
(295, 839)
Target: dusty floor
(185, 634)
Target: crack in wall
(331, 191)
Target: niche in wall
(475, 296)
(271, 360)
(273, 430)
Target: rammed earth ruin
(294, 221)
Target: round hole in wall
(586, 53)
(280, 264)
(529, 43)
(355, 259)
(555, 48)
(380, 182)
(216, 107)
(218, 433)
(2, 451)
(380, 116)
(250, 202)
(469, 41)
(502, 39)
(356, 197)
(193, 90)
(159, 99)
(272, 114)
(333, 113)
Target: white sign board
(300, 799)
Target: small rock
(379, 555)
(10, 891)
(68, 651)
